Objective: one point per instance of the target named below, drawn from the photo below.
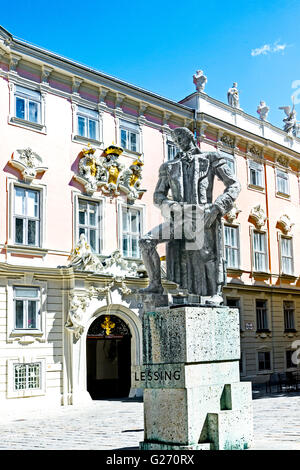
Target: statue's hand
(210, 215)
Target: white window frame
(39, 126)
(237, 248)
(25, 301)
(278, 191)
(175, 149)
(26, 392)
(26, 218)
(11, 206)
(101, 218)
(291, 257)
(141, 210)
(254, 268)
(26, 335)
(84, 109)
(230, 158)
(256, 166)
(134, 128)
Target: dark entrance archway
(108, 358)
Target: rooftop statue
(263, 110)
(199, 79)
(291, 124)
(233, 96)
(192, 227)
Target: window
(27, 308)
(27, 104)
(259, 251)
(287, 265)
(129, 136)
(261, 315)
(131, 231)
(88, 223)
(172, 150)
(264, 360)
(230, 160)
(26, 216)
(256, 174)
(289, 315)
(27, 376)
(282, 182)
(87, 123)
(231, 242)
(288, 359)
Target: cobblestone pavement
(117, 424)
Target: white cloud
(268, 48)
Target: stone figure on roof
(233, 96)
(199, 79)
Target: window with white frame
(261, 315)
(230, 160)
(231, 245)
(27, 308)
(259, 251)
(256, 174)
(27, 104)
(89, 218)
(27, 376)
(172, 150)
(131, 231)
(264, 360)
(87, 123)
(26, 216)
(289, 315)
(282, 182)
(129, 136)
(286, 250)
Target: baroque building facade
(80, 154)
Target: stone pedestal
(193, 397)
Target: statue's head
(183, 137)
(234, 85)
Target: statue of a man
(233, 96)
(199, 79)
(263, 110)
(187, 182)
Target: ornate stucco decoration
(110, 170)
(291, 125)
(131, 179)
(259, 216)
(227, 140)
(254, 151)
(285, 224)
(28, 163)
(283, 160)
(76, 313)
(82, 259)
(109, 174)
(232, 215)
(88, 170)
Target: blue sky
(159, 45)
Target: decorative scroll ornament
(109, 174)
(232, 215)
(285, 223)
(259, 216)
(29, 163)
(108, 325)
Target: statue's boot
(216, 299)
(153, 288)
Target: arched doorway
(108, 358)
